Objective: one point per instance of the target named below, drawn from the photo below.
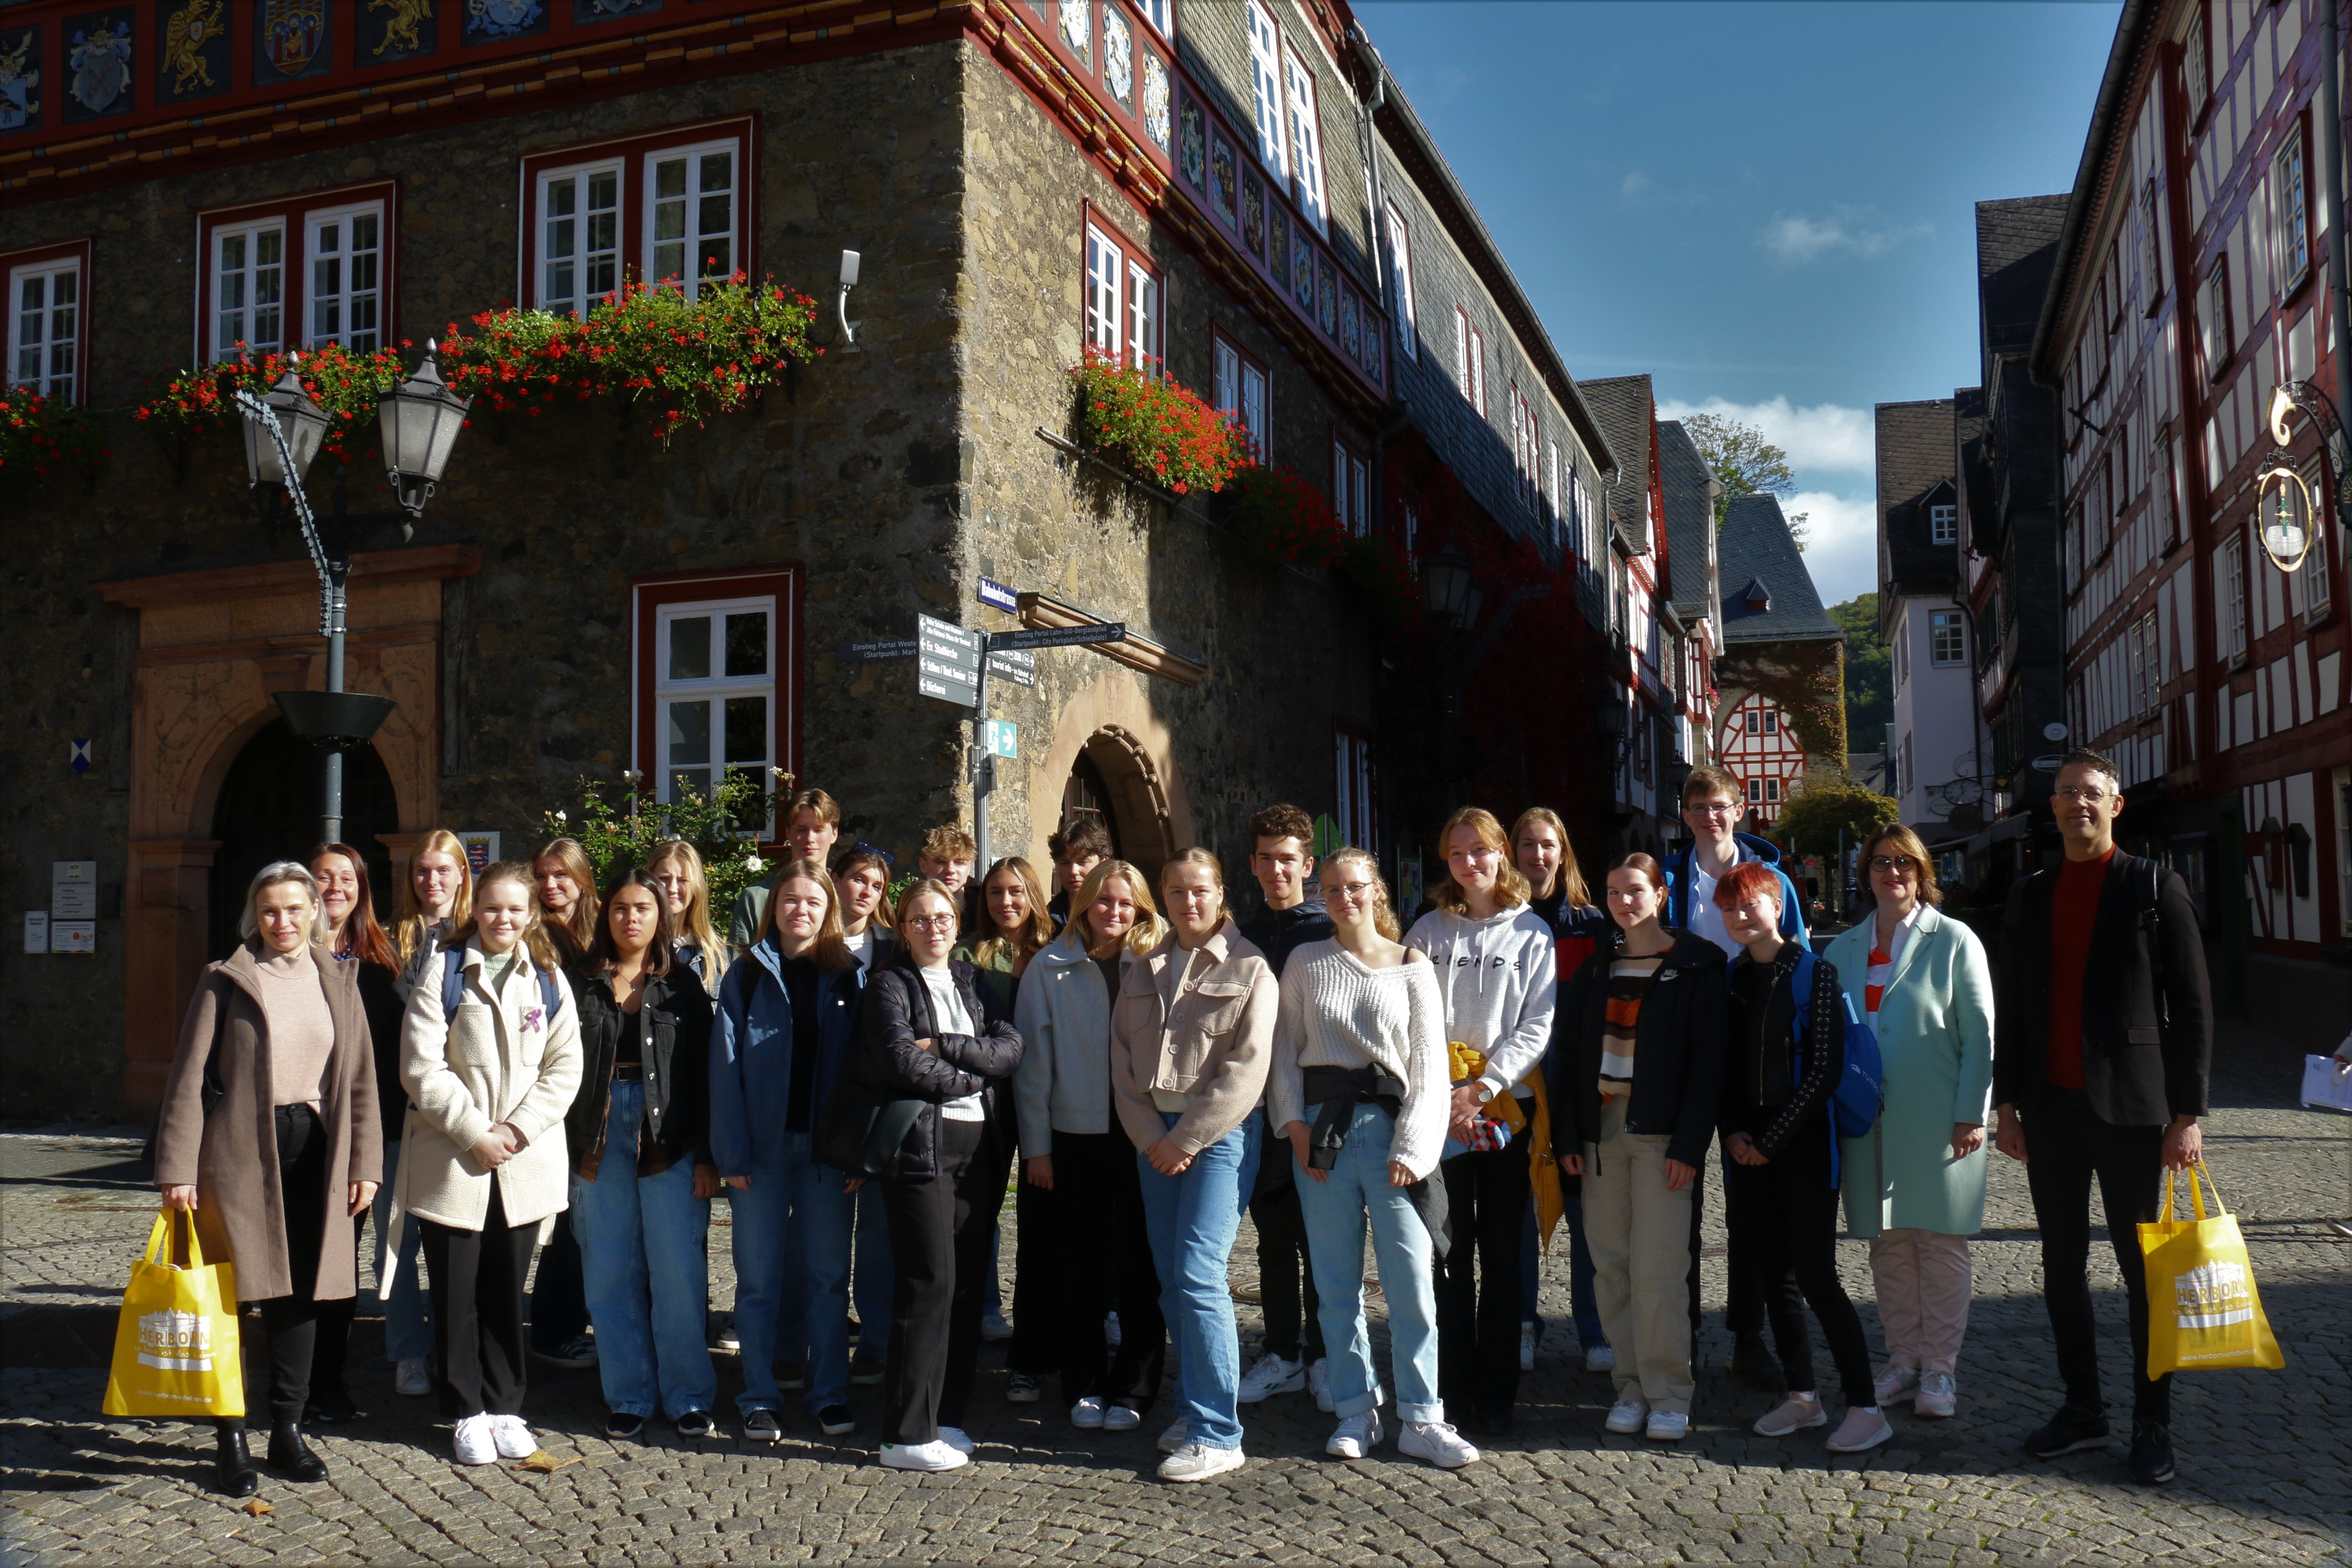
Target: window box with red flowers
(46, 437)
(1146, 422)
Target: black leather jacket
(897, 1013)
(677, 1069)
(1677, 1054)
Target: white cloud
(1841, 543)
(1824, 436)
(1798, 238)
(1636, 183)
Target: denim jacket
(751, 1057)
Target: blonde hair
(1572, 879)
(580, 924)
(927, 887)
(1197, 856)
(276, 874)
(695, 923)
(414, 927)
(1510, 884)
(1906, 842)
(1035, 931)
(533, 941)
(1141, 937)
(1384, 915)
(831, 949)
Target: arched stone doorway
(268, 810)
(1112, 754)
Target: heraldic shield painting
(97, 64)
(20, 79)
(292, 39)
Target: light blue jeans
(408, 1314)
(1191, 1220)
(1354, 1192)
(802, 1196)
(645, 1266)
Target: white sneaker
(1789, 1415)
(1438, 1443)
(1198, 1462)
(1272, 1374)
(1667, 1425)
(1936, 1397)
(1859, 1431)
(1357, 1436)
(1896, 1384)
(1625, 1416)
(1601, 1358)
(412, 1379)
(1318, 1383)
(994, 1329)
(1173, 1439)
(956, 1437)
(476, 1440)
(1121, 1418)
(1526, 1353)
(1086, 1414)
(513, 1438)
(936, 1455)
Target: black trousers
(559, 1295)
(940, 1229)
(1286, 1279)
(1752, 1295)
(1102, 1256)
(290, 1323)
(1486, 1196)
(478, 1337)
(2067, 1145)
(1786, 1212)
(1036, 1324)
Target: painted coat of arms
(99, 59)
(293, 32)
(20, 104)
(502, 18)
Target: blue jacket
(751, 1057)
(1751, 848)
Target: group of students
(523, 1054)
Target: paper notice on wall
(73, 936)
(73, 890)
(37, 931)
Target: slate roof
(1622, 406)
(1971, 421)
(1690, 521)
(1916, 458)
(2017, 247)
(1756, 546)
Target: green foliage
(1162, 432)
(617, 838)
(1869, 673)
(1745, 463)
(42, 435)
(1812, 819)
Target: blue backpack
(453, 988)
(1854, 1102)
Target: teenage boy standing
(1082, 845)
(812, 824)
(1282, 840)
(1714, 799)
(946, 855)
(2102, 1043)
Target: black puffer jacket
(896, 1013)
(1677, 1050)
(677, 1069)
(381, 1000)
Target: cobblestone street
(2264, 1456)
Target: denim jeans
(802, 1192)
(1354, 1191)
(1193, 1219)
(644, 1261)
(407, 1317)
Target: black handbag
(865, 1125)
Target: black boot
(233, 1471)
(291, 1457)
(1753, 1360)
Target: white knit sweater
(1337, 1012)
(1499, 978)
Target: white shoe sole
(1223, 1467)
(1626, 1429)
(1405, 1446)
(891, 1461)
(1865, 1445)
(1926, 1412)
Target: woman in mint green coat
(1915, 1185)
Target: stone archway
(1110, 723)
(214, 649)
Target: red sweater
(2074, 908)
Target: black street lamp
(283, 432)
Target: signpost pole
(983, 777)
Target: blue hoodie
(752, 1056)
(1762, 851)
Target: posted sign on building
(947, 662)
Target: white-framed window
(1551, 490)
(1355, 790)
(1160, 13)
(1408, 328)
(248, 288)
(2215, 325)
(579, 236)
(1122, 316)
(1755, 786)
(1901, 652)
(45, 326)
(1462, 356)
(2198, 66)
(714, 692)
(1411, 537)
(1771, 790)
(2311, 579)
(1944, 525)
(1947, 637)
(1478, 371)
(1242, 393)
(2151, 285)
(1351, 488)
(2230, 583)
(2291, 212)
(1306, 144)
(690, 214)
(1266, 88)
(346, 258)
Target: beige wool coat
(1197, 1024)
(500, 1059)
(229, 1153)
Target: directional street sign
(1021, 668)
(903, 648)
(1000, 737)
(1059, 637)
(995, 593)
(947, 662)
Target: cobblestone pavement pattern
(2263, 1455)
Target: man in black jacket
(2101, 1052)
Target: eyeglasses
(1892, 863)
(1712, 808)
(1350, 892)
(943, 920)
(2084, 794)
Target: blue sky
(1768, 206)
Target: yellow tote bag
(176, 1347)
(2202, 1312)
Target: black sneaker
(622, 1424)
(2072, 1428)
(696, 1425)
(329, 1407)
(1753, 1361)
(763, 1427)
(2151, 1453)
(836, 1421)
(865, 1371)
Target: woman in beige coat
(482, 1161)
(1191, 1037)
(268, 1134)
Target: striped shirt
(1881, 973)
(1629, 982)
